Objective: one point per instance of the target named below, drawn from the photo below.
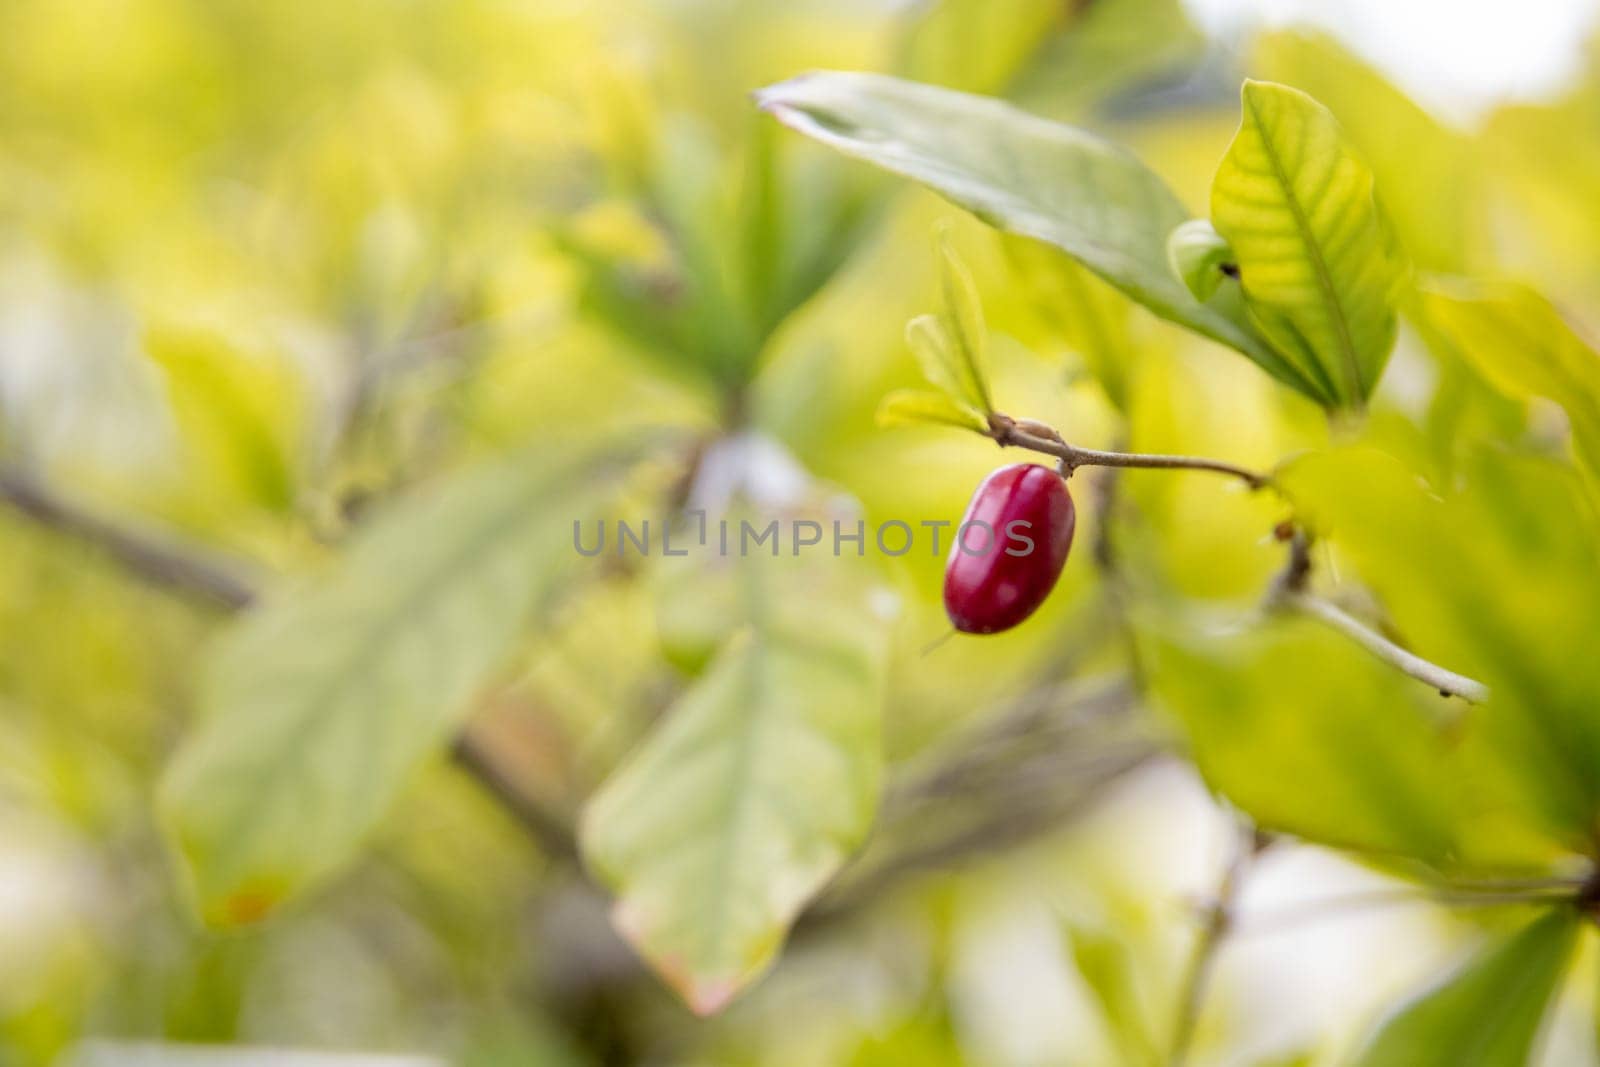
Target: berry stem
(1007, 432)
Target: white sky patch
(1458, 58)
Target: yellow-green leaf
(1426, 170)
(1091, 316)
(1106, 964)
(1317, 263)
(760, 782)
(1489, 1013)
(962, 316)
(1311, 736)
(929, 340)
(909, 407)
(1519, 341)
(1498, 578)
(238, 414)
(319, 706)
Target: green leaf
(906, 407)
(238, 414)
(1521, 344)
(1310, 736)
(938, 46)
(962, 318)
(319, 706)
(930, 341)
(1110, 52)
(1490, 1012)
(1199, 257)
(762, 226)
(952, 346)
(760, 782)
(1317, 263)
(1500, 579)
(1090, 316)
(1106, 964)
(1427, 171)
(1021, 174)
(799, 220)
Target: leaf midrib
(752, 670)
(1313, 249)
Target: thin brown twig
(1025, 815)
(1218, 922)
(158, 558)
(477, 757)
(1008, 432)
(165, 562)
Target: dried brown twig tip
(1038, 429)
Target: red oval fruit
(1009, 549)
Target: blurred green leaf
(1317, 264)
(906, 407)
(926, 1039)
(1112, 51)
(760, 782)
(1310, 735)
(1350, 766)
(1090, 316)
(716, 246)
(800, 218)
(941, 360)
(967, 337)
(951, 347)
(762, 225)
(238, 415)
(1489, 1013)
(1543, 159)
(1522, 345)
(1500, 579)
(1424, 169)
(697, 607)
(1107, 967)
(318, 707)
(1020, 174)
(978, 45)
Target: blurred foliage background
(266, 267)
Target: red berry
(1009, 549)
